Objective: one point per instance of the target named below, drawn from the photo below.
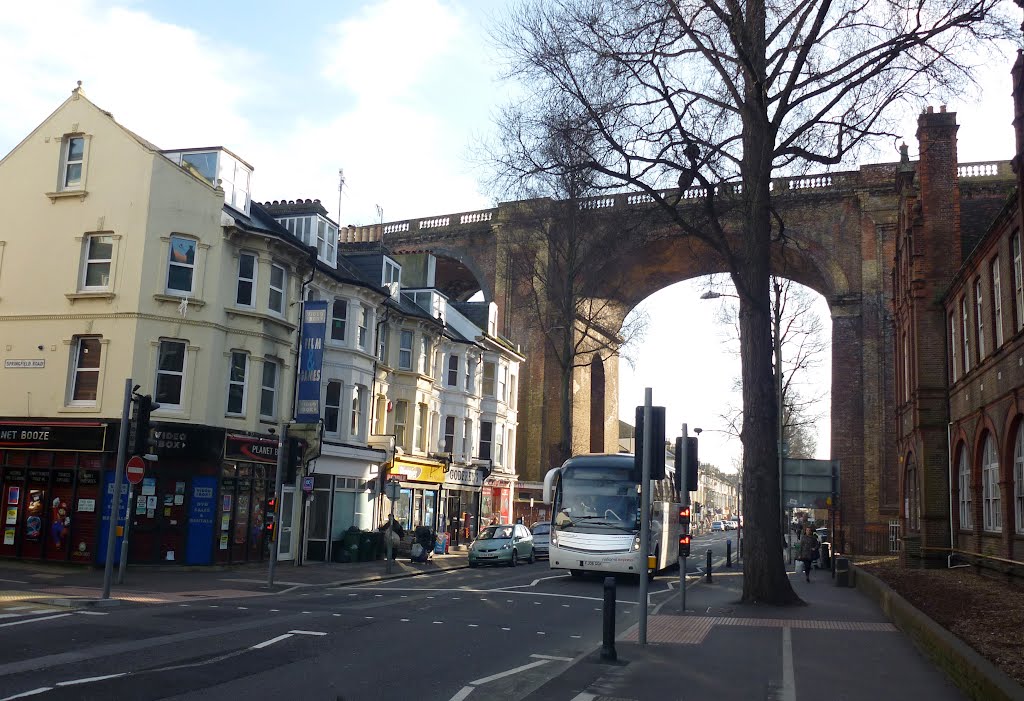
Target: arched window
(1018, 478)
(990, 486)
(964, 482)
(911, 505)
(597, 404)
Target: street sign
(135, 469)
(393, 489)
(307, 484)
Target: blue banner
(311, 361)
(201, 512)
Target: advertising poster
(12, 516)
(311, 358)
(148, 486)
(13, 495)
(8, 536)
(226, 503)
(151, 502)
(224, 542)
(202, 511)
(225, 522)
(140, 506)
(87, 505)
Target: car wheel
(576, 573)
(515, 559)
(533, 557)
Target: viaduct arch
(840, 241)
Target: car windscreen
(541, 529)
(496, 533)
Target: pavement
(842, 645)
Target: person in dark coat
(809, 545)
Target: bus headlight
(554, 539)
(636, 543)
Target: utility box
(844, 577)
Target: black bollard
(728, 553)
(707, 572)
(608, 642)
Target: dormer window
(392, 278)
(219, 168)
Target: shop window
(170, 374)
(332, 408)
(486, 432)
(401, 420)
(181, 266)
(237, 381)
(405, 351)
(85, 375)
(488, 389)
(245, 292)
(453, 370)
(97, 255)
(339, 318)
(268, 390)
(277, 297)
(72, 164)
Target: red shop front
(247, 477)
(496, 501)
(50, 475)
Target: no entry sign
(135, 469)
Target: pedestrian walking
(809, 549)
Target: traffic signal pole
(278, 489)
(115, 498)
(684, 498)
(645, 510)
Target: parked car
(541, 538)
(717, 526)
(731, 525)
(502, 544)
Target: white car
(717, 526)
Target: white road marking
(438, 622)
(509, 592)
(15, 581)
(307, 612)
(369, 618)
(473, 625)
(10, 615)
(503, 628)
(565, 606)
(531, 584)
(18, 608)
(214, 606)
(243, 608)
(92, 613)
(274, 610)
(583, 696)
(306, 632)
(41, 611)
(509, 672)
(267, 643)
(23, 694)
(86, 680)
(788, 685)
(463, 693)
(551, 657)
(404, 620)
(34, 620)
(336, 614)
(182, 605)
(577, 637)
(540, 632)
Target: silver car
(541, 538)
(503, 544)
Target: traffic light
(684, 545)
(271, 517)
(684, 516)
(657, 447)
(143, 408)
(691, 463)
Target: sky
(393, 92)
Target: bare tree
(556, 245)
(721, 95)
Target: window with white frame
(467, 438)
(421, 360)
(503, 383)
(277, 299)
(990, 487)
(401, 421)
(382, 415)
(966, 331)
(85, 371)
(339, 319)
(383, 336)
(238, 372)
(1018, 282)
(486, 433)
(392, 277)
(332, 408)
(488, 388)
(245, 291)
(499, 445)
(997, 303)
(405, 351)
(364, 326)
(72, 162)
(510, 448)
(470, 366)
(355, 428)
(181, 266)
(99, 251)
(170, 374)
(453, 370)
(979, 318)
(513, 397)
(268, 389)
(448, 446)
(953, 348)
(964, 483)
(422, 417)
(1018, 478)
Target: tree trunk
(764, 570)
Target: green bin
(367, 546)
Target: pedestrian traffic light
(143, 408)
(684, 545)
(271, 516)
(684, 516)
